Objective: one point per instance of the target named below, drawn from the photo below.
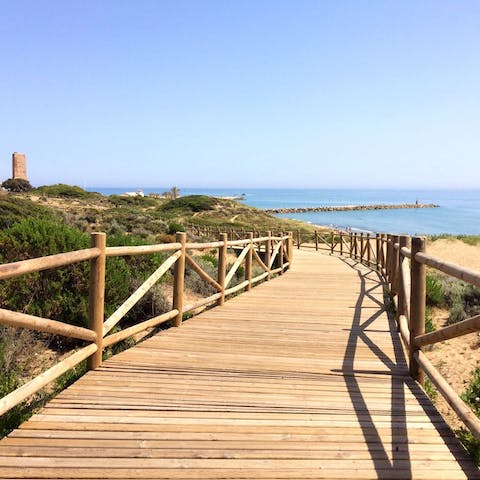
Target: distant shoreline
(345, 208)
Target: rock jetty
(343, 208)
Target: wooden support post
(222, 266)
(351, 244)
(395, 263)
(369, 253)
(299, 240)
(280, 254)
(361, 247)
(377, 251)
(332, 242)
(388, 258)
(248, 263)
(355, 246)
(97, 297)
(316, 240)
(401, 307)
(179, 280)
(417, 305)
(268, 252)
(341, 243)
(290, 249)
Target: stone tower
(19, 166)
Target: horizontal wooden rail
(464, 327)
(459, 406)
(200, 303)
(202, 246)
(457, 271)
(139, 327)
(236, 288)
(23, 267)
(140, 249)
(38, 324)
(33, 386)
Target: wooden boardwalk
(303, 377)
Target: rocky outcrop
(343, 208)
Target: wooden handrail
(16, 269)
(98, 328)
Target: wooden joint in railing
(179, 279)
(97, 297)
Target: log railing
(273, 254)
(402, 262)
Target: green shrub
(429, 326)
(434, 291)
(471, 394)
(14, 209)
(194, 282)
(174, 228)
(211, 258)
(65, 191)
(194, 203)
(457, 313)
(471, 444)
(17, 185)
(121, 201)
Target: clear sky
(242, 93)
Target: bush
(15, 209)
(194, 282)
(17, 185)
(434, 291)
(65, 191)
(194, 203)
(173, 228)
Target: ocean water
(459, 211)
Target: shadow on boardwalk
(386, 462)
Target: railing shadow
(386, 456)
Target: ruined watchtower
(19, 166)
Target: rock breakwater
(343, 208)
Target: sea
(458, 212)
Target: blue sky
(252, 93)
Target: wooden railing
(402, 262)
(273, 254)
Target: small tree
(174, 193)
(17, 185)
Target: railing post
(377, 251)
(388, 260)
(361, 247)
(222, 266)
(401, 307)
(280, 254)
(355, 246)
(248, 263)
(369, 253)
(290, 249)
(417, 305)
(179, 280)
(298, 239)
(351, 244)
(341, 243)
(316, 240)
(268, 252)
(332, 242)
(394, 266)
(97, 297)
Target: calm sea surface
(459, 211)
